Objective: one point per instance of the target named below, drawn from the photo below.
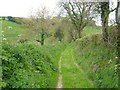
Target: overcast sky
(22, 8)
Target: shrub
(28, 65)
(98, 60)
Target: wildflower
(9, 27)
(95, 65)
(115, 68)
(110, 61)
(37, 71)
(94, 69)
(116, 57)
(116, 65)
(19, 35)
(4, 39)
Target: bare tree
(118, 35)
(104, 16)
(38, 23)
(103, 9)
(79, 13)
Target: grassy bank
(30, 66)
(98, 60)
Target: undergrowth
(30, 66)
(98, 60)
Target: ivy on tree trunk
(104, 17)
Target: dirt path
(59, 85)
(72, 75)
(90, 81)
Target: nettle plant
(28, 65)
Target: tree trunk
(79, 33)
(105, 30)
(42, 38)
(118, 39)
(104, 17)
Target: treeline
(12, 19)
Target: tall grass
(98, 60)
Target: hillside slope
(13, 31)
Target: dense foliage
(98, 60)
(26, 64)
(30, 66)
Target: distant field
(91, 30)
(13, 31)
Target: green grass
(30, 66)
(98, 60)
(91, 30)
(12, 31)
(72, 76)
(87, 52)
(12, 34)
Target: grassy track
(72, 76)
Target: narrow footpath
(70, 73)
(59, 85)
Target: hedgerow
(98, 60)
(30, 66)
